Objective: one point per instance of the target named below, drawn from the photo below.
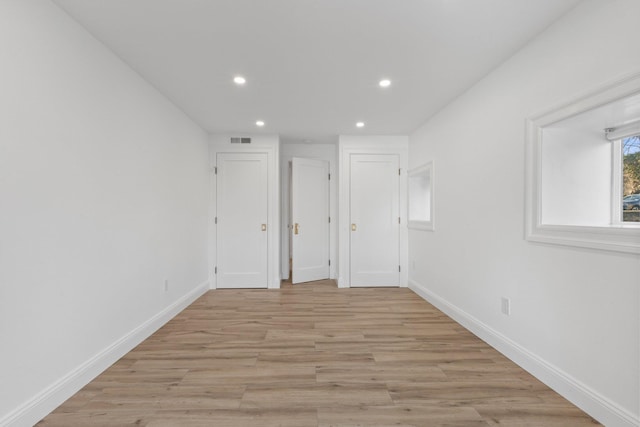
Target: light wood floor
(315, 355)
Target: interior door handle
(353, 227)
(264, 227)
(295, 228)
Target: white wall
(326, 152)
(103, 196)
(576, 168)
(575, 312)
(270, 145)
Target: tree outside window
(631, 178)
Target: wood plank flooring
(315, 355)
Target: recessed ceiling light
(260, 123)
(385, 83)
(360, 124)
(239, 80)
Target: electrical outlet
(506, 306)
(166, 285)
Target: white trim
(342, 283)
(422, 224)
(212, 212)
(622, 238)
(625, 131)
(617, 237)
(53, 396)
(414, 224)
(578, 393)
(616, 183)
(623, 87)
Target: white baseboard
(584, 397)
(53, 396)
(275, 283)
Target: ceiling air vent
(237, 140)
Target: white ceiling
(313, 66)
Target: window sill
(421, 225)
(616, 238)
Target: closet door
(241, 221)
(374, 220)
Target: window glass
(631, 179)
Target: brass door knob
(353, 227)
(296, 228)
(264, 227)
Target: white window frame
(414, 224)
(616, 136)
(618, 236)
(616, 183)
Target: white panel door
(241, 244)
(310, 219)
(374, 226)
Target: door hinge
(399, 171)
(329, 177)
(398, 269)
(329, 262)
(398, 220)
(215, 170)
(215, 220)
(215, 270)
(329, 220)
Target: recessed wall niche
(420, 186)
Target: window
(630, 178)
(583, 171)
(421, 197)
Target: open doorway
(326, 152)
(310, 220)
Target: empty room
(319, 213)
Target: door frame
(326, 152)
(234, 268)
(347, 146)
(266, 144)
(326, 224)
(374, 275)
